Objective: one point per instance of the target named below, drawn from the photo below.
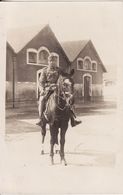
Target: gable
(90, 51)
(46, 38)
(73, 48)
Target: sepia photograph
(61, 97)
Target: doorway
(87, 84)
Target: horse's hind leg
(56, 143)
(43, 132)
(52, 153)
(53, 133)
(62, 143)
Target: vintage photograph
(62, 130)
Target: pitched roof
(19, 37)
(73, 48)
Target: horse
(57, 115)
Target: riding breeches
(42, 102)
(41, 106)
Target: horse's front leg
(56, 143)
(54, 134)
(62, 144)
(52, 152)
(43, 133)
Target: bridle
(57, 103)
(62, 94)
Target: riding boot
(74, 122)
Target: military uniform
(48, 77)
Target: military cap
(52, 56)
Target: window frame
(87, 58)
(34, 51)
(79, 59)
(96, 66)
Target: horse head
(65, 88)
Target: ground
(91, 150)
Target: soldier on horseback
(47, 84)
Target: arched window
(94, 65)
(32, 56)
(43, 54)
(79, 64)
(87, 63)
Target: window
(94, 66)
(80, 64)
(40, 56)
(32, 56)
(43, 57)
(87, 64)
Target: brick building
(88, 68)
(24, 66)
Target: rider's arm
(61, 72)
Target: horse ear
(72, 72)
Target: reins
(58, 94)
(57, 104)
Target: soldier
(48, 78)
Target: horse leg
(52, 153)
(54, 139)
(62, 143)
(56, 143)
(52, 142)
(43, 132)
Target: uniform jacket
(49, 76)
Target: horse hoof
(42, 152)
(63, 162)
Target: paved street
(91, 150)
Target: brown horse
(57, 115)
